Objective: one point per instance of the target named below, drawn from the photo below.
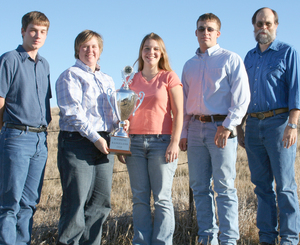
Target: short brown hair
(163, 63)
(274, 12)
(86, 36)
(209, 17)
(36, 18)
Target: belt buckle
(260, 115)
(200, 119)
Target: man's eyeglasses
(209, 29)
(260, 24)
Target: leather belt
(26, 128)
(212, 118)
(265, 114)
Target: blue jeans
(148, 170)
(86, 179)
(209, 163)
(23, 156)
(268, 159)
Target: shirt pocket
(275, 71)
(249, 67)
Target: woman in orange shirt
(155, 136)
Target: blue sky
(123, 24)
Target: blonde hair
(86, 36)
(163, 63)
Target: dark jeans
(86, 178)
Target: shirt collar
(85, 67)
(24, 55)
(209, 51)
(274, 46)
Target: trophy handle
(130, 78)
(109, 92)
(140, 99)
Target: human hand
(122, 158)
(221, 136)
(183, 144)
(240, 136)
(101, 145)
(172, 152)
(289, 137)
(126, 125)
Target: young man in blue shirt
(24, 115)
(271, 129)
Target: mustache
(260, 31)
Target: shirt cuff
(184, 134)
(93, 137)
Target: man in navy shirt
(271, 129)
(24, 116)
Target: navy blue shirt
(25, 85)
(274, 77)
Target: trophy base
(120, 152)
(119, 145)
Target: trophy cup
(123, 103)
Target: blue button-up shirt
(274, 77)
(25, 85)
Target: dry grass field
(118, 228)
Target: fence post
(191, 203)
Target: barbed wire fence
(191, 199)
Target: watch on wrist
(292, 125)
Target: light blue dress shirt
(215, 82)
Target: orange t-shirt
(154, 114)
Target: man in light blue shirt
(216, 97)
(271, 129)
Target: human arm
(293, 80)
(290, 134)
(77, 100)
(241, 133)
(186, 118)
(176, 99)
(183, 144)
(2, 104)
(240, 93)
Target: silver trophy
(123, 103)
